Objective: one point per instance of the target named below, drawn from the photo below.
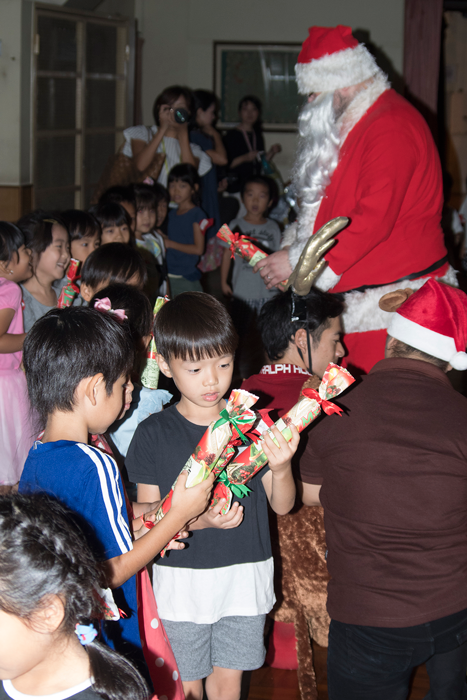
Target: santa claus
(365, 153)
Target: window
(82, 104)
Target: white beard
(318, 154)
(322, 135)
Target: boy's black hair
(118, 194)
(68, 345)
(194, 326)
(169, 96)
(145, 196)
(113, 214)
(135, 304)
(113, 263)
(80, 224)
(261, 180)
(276, 328)
(11, 240)
(185, 172)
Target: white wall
(15, 35)
(179, 36)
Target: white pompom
(459, 361)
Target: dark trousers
(376, 663)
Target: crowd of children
(74, 416)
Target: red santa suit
(388, 183)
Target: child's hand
(175, 544)
(226, 289)
(194, 500)
(280, 456)
(214, 518)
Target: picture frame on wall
(266, 70)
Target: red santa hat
(434, 320)
(331, 59)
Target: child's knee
(224, 684)
(193, 690)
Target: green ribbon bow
(236, 421)
(239, 490)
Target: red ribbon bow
(237, 237)
(327, 406)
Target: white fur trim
(335, 71)
(327, 279)
(426, 340)
(362, 312)
(459, 361)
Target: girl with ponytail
(49, 641)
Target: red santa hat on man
(331, 59)
(434, 320)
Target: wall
(179, 37)
(15, 76)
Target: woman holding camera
(168, 136)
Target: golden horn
(310, 262)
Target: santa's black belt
(413, 276)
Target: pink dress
(16, 433)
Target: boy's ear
(164, 366)
(92, 386)
(86, 292)
(300, 339)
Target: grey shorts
(233, 642)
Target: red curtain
(422, 45)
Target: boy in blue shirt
(77, 363)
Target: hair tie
(148, 181)
(51, 221)
(104, 305)
(85, 633)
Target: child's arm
(218, 154)
(225, 268)
(279, 482)
(143, 153)
(186, 504)
(9, 342)
(196, 248)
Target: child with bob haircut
(15, 430)
(123, 195)
(185, 240)
(50, 248)
(115, 223)
(213, 599)
(77, 363)
(49, 646)
(149, 241)
(84, 231)
(111, 264)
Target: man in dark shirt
(392, 478)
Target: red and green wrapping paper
(150, 371)
(71, 289)
(235, 420)
(241, 245)
(249, 460)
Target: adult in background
(365, 153)
(167, 136)
(245, 143)
(392, 479)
